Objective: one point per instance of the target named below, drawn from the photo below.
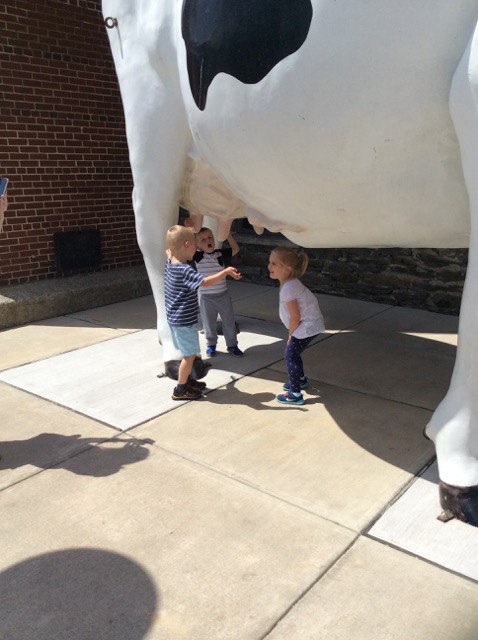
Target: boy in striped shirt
(181, 283)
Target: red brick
(63, 140)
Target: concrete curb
(21, 304)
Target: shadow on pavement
(49, 449)
(79, 594)
(231, 395)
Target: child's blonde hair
(297, 261)
(178, 235)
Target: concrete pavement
(129, 516)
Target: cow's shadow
(380, 390)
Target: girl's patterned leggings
(295, 367)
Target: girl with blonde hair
(300, 312)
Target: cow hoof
(460, 502)
(199, 370)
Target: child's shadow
(230, 394)
(48, 450)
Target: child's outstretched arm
(229, 271)
(233, 244)
(293, 308)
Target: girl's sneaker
(304, 383)
(290, 398)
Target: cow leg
(157, 177)
(158, 142)
(454, 425)
(158, 139)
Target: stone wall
(430, 279)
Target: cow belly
(350, 137)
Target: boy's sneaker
(187, 393)
(304, 383)
(196, 384)
(290, 398)
(211, 350)
(235, 351)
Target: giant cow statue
(340, 123)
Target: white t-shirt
(311, 320)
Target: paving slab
(343, 313)
(116, 381)
(375, 592)
(36, 434)
(339, 313)
(130, 315)
(263, 304)
(29, 343)
(231, 517)
(211, 557)
(373, 357)
(432, 327)
(342, 455)
(239, 289)
(411, 523)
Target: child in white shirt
(300, 313)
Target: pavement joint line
(62, 353)
(365, 393)
(173, 452)
(373, 315)
(411, 554)
(250, 485)
(52, 465)
(398, 494)
(305, 591)
(174, 408)
(33, 474)
(71, 456)
(78, 413)
(97, 323)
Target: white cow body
(347, 142)
(369, 137)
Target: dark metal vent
(77, 251)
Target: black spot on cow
(243, 38)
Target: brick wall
(62, 137)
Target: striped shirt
(181, 283)
(211, 263)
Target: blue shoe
(304, 383)
(290, 398)
(211, 350)
(235, 351)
